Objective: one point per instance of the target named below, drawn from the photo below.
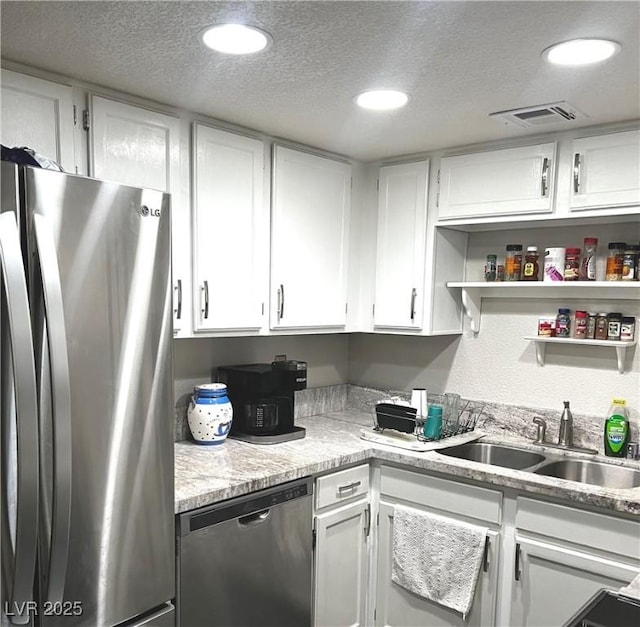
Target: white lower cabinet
(552, 582)
(393, 605)
(562, 557)
(342, 526)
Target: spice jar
(513, 262)
(563, 323)
(591, 325)
(580, 328)
(629, 262)
(572, 264)
(546, 327)
(588, 265)
(531, 269)
(500, 273)
(614, 320)
(614, 261)
(553, 264)
(601, 326)
(627, 329)
(490, 268)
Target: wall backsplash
(496, 418)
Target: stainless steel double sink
(581, 470)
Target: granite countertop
(208, 474)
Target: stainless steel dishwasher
(247, 562)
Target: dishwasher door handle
(254, 519)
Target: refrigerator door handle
(18, 321)
(61, 404)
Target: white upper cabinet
(400, 261)
(505, 182)
(606, 171)
(230, 231)
(141, 148)
(309, 240)
(38, 114)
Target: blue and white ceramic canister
(210, 413)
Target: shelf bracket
(541, 349)
(621, 352)
(472, 303)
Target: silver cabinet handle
(18, 334)
(412, 312)
(544, 181)
(485, 556)
(576, 173)
(349, 486)
(178, 290)
(518, 572)
(61, 396)
(281, 302)
(205, 290)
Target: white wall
(499, 365)
(195, 359)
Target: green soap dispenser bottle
(616, 429)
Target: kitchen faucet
(565, 434)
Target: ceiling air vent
(540, 115)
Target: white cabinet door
(230, 231)
(553, 582)
(400, 261)
(141, 148)
(606, 171)
(500, 182)
(309, 240)
(398, 607)
(38, 114)
(341, 554)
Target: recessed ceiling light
(581, 51)
(235, 38)
(382, 99)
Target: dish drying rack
(395, 423)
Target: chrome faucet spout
(565, 435)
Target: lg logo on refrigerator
(146, 211)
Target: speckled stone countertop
(208, 474)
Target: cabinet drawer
(449, 496)
(590, 529)
(342, 486)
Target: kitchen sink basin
(591, 472)
(494, 454)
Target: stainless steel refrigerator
(86, 402)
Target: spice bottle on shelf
(531, 269)
(500, 273)
(572, 264)
(614, 261)
(627, 329)
(614, 321)
(629, 262)
(553, 264)
(513, 262)
(563, 323)
(591, 325)
(490, 268)
(588, 264)
(580, 328)
(601, 326)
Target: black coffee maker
(263, 399)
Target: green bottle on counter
(616, 429)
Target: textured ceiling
(459, 61)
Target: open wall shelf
(474, 291)
(541, 342)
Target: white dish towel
(436, 557)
